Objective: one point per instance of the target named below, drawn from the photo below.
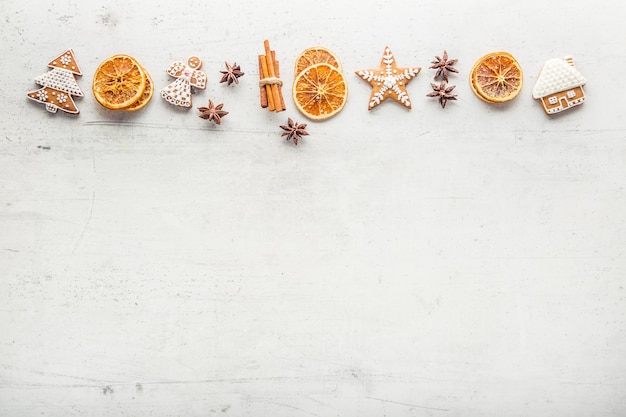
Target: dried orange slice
(118, 82)
(316, 55)
(146, 96)
(497, 77)
(320, 91)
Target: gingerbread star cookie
(388, 81)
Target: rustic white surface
(464, 262)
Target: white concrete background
(461, 262)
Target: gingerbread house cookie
(559, 86)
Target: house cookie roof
(557, 75)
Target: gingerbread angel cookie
(187, 75)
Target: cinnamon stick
(262, 88)
(270, 92)
(270, 68)
(277, 72)
(271, 104)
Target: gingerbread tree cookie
(389, 81)
(59, 85)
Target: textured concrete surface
(461, 262)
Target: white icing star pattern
(66, 59)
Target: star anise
(213, 113)
(443, 65)
(231, 74)
(294, 130)
(442, 91)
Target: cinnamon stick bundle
(270, 85)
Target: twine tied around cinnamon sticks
(270, 83)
